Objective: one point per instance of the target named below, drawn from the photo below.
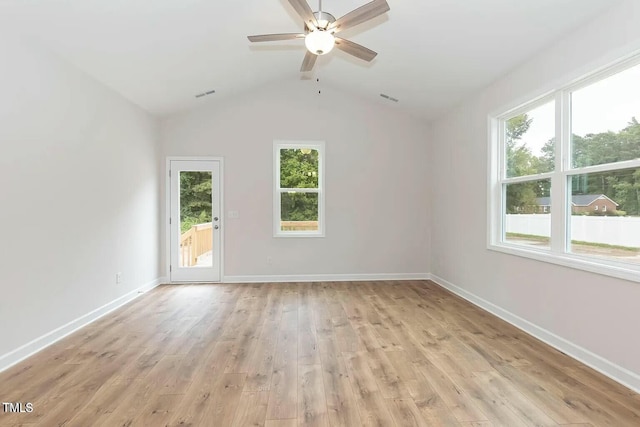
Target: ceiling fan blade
(275, 37)
(355, 49)
(308, 62)
(304, 10)
(360, 15)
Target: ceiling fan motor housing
(324, 19)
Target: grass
(606, 246)
(545, 239)
(528, 237)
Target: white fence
(611, 230)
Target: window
(528, 140)
(298, 203)
(565, 175)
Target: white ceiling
(160, 53)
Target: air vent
(209, 92)
(390, 98)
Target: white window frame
(560, 183)
(277, 191)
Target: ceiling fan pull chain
(320, 7)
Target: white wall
(79, 196)
(597, 313)
(377, 214)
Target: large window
(298, 204)
(565, 175)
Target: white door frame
(168, 211)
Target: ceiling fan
(320, 28)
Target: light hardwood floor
(321, 354)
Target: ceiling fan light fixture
(319, 42)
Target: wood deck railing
(196, 241)
(299, 225)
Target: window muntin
(298, 193)
(597, 142)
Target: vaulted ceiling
(161, 53)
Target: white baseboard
(606, 367)
(326, 277)
(19, 354)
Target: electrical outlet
(233, 214)
(118, 277)
(269, 260)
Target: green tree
(517, 126)
(519, 157)
(622, 186)
(195, 199)
(299, 169)
(547, 159)
(521, 197)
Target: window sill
(297, 234)
(619, 270)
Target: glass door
(195, 220)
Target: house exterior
(595, 204)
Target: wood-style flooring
(314, 354)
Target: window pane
(604, 122)
(299, 211)
(196, 234)
(528, 213)
(605, 220)
(530, 139)
(298, 168)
